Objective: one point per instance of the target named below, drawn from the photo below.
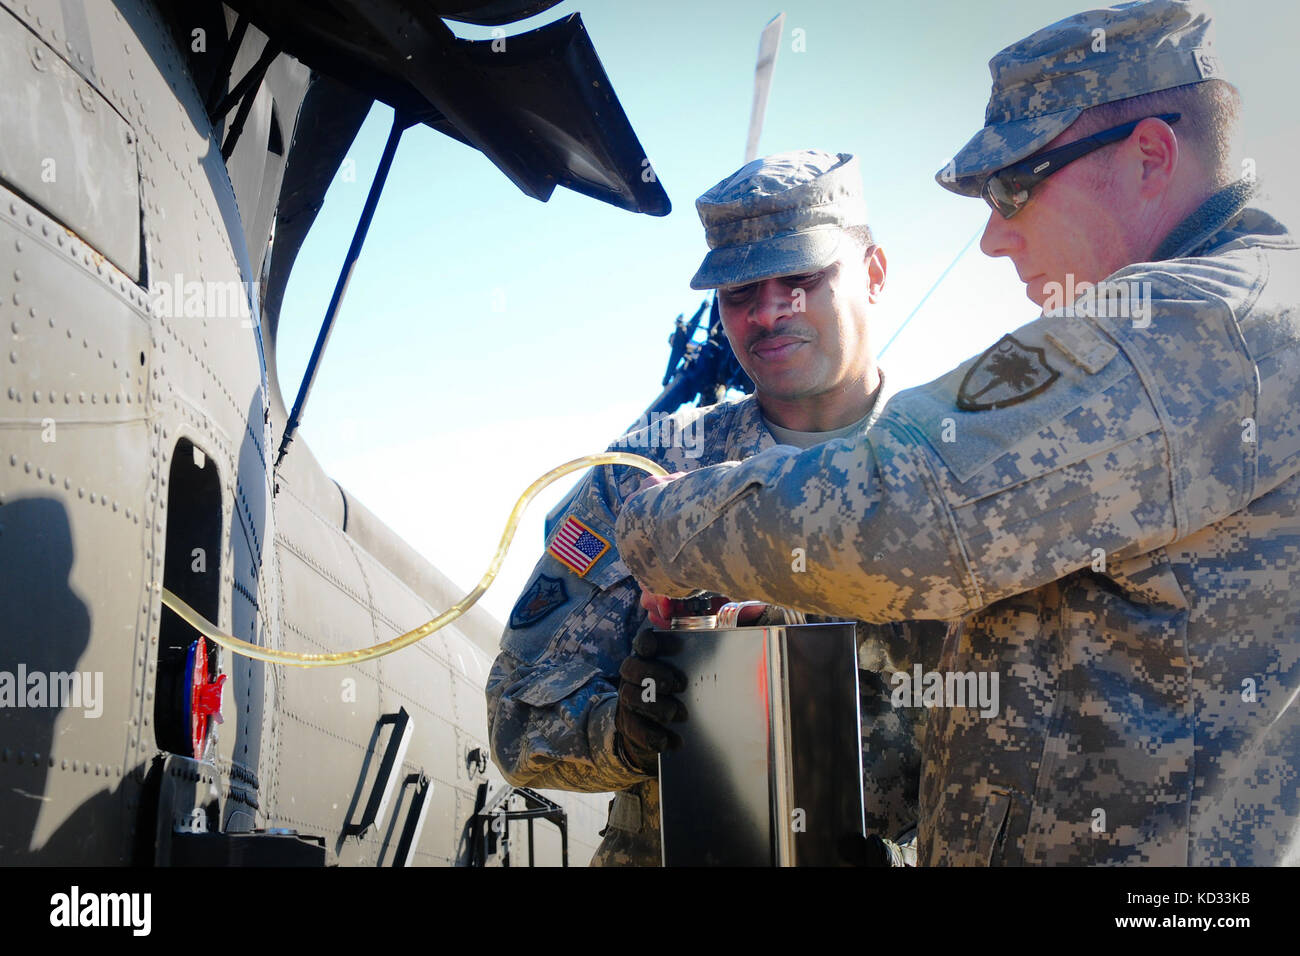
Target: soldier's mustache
(788, 332)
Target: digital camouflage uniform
(1114, 517)
(553, 689)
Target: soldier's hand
(654, 481)
(661, 610)
(658, 608)
(646, 705)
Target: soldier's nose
(1000, 237)
(771, 302)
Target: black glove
(645, 709)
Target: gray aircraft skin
(141, 275)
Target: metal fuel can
(770, 771)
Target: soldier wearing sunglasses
(1117, 523)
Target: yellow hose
(234, 644)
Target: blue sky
(487, 337)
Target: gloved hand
(646, 704)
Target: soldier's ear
(874, 259)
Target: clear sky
(487, 337)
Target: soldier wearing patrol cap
(797, 273)
(1117, 522)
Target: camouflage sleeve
(893, 732)
(553, 688)
(1102, 440)
(891, 757)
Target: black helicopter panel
(539, 104)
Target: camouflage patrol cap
(779, 215)
(1042, 83)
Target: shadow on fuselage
(46, 630)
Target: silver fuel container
(770, 771)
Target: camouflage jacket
(1111, 505)
(553, 689)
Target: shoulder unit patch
(1008, 373)
(543, 596)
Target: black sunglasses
(1007, 191)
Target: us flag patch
(577, 546)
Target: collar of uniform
(755, 413)
(883, 394)
(748, 416)
(1208, 226)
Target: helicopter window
(192, 571)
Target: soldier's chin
(787, 384)
(788, 389)
(1036, 291)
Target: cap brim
(779, 256)
(1000, 145)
